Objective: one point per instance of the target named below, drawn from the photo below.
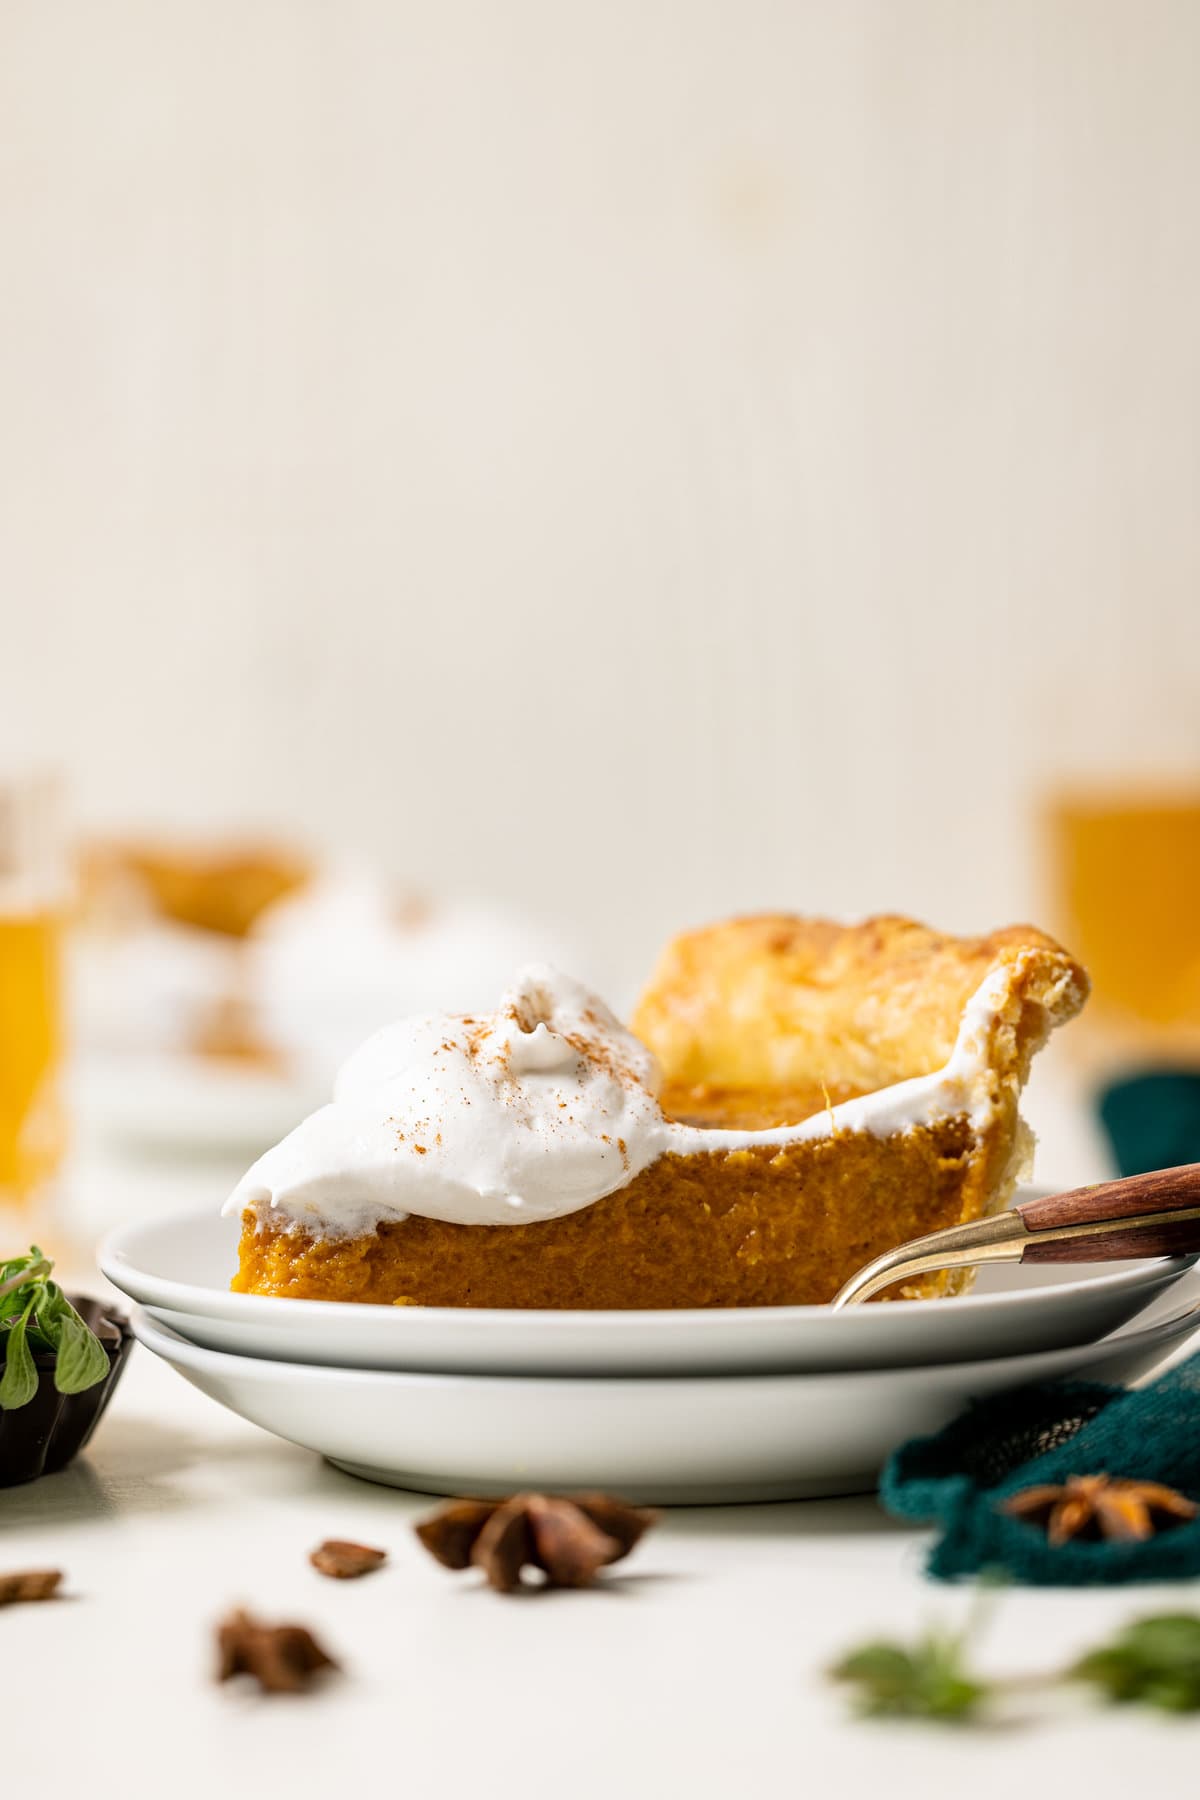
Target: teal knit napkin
(1152, 1119)
(1046, 1434)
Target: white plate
(691, 1440)
(180, 1268)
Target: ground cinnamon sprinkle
(596, 1052)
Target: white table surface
(694, 1670)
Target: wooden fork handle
(1157, 1214)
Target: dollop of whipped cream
(528, 1113)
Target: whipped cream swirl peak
(524, 1114)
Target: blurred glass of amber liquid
(1127, 870)
(32, 906)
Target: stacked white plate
(678, 1407)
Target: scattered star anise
(1101, 1506)
(29, 1584)
(344, 1561)
(282, 1658)
(569, 1539)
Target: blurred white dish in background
(180, 1267)
(318, 971)
(151, 987)
(329, 965)
(686, 1440)
(157, 928)
(190, 1038)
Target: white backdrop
(649, 458)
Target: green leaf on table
(1155, 1661)
(19, 1382)
(927, 1680)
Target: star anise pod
(1101, 1506)
(29, 1584)
(282, 1658)
(569, 1539)
(344, 1561)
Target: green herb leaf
(1155, 1661)
(926, 1681)
(82, 1359)
(53, 1301)
(19, 1382)
(19, 1270)
(35, 1315)
(43, 1332)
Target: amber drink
(32, 901)
(1128, 872)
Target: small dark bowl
(42, 1437)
